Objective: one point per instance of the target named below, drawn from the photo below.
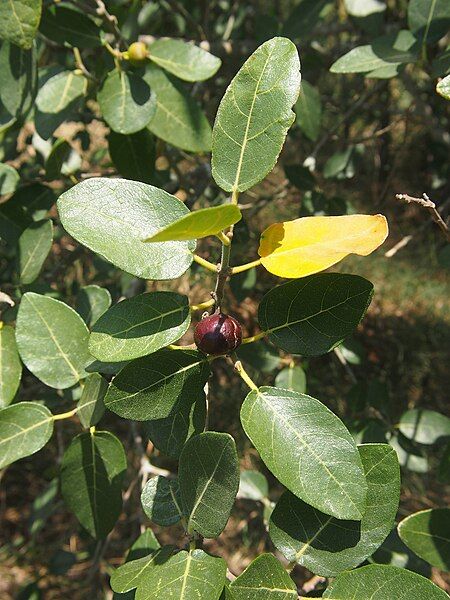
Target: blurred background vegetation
(359, 139)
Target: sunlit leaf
(34, 246)
(18, 78)
(443, 87)
(292, 378)
(429, 20)
(10, 365)
(311, 244)
(309, 110)
(113, 216)
(9, 179)
(52, 340)
(19, 20)
(264, 579)
(140, 325)
(424, 426)
(255, 115)
(308, 449)
(24, 429)
(325, 545)
(199, 224)
(186, 61)
(208, 475)
(427, 533)
(380, 582)
(161, 501)
(91, 302)
(253, 486)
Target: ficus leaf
(291, 378)
(24, 429)
(91, 302)
(208, 475)
(126, 102)
(10, 365)
(429, 20)
(133, 155)
(311, 244)
(326, 545)
(19, 20)
(186, 61)
(253, 486)
(178, 119)
(140, 325)
(92, 472)
(309, 110)
(70, 27)
(34, 246)
(443, 87)
(255, 115)
(18, 78)
(128, 576)
(113, 216)
(309, 450)
(9, 179)
(264, 579)
(311, 316)
(424, 426)
(156, 386)
(52, 340)
(161, 501)
(427, 533)
(382, 582)
(199, 224)
(90, 405)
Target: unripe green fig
(137, 53)
(218, 334)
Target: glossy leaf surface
(24, 429)
(325, 545)
(309, 450)
(52, 340)
(161, 501)
(186, 61)
(90, 405)
(313, 315)
(113, 216)
(34, 246)
(10, 365)
(424, 426)
(427, 533)
(19, 20)
(264, 579)
(91, 302)
(255, 115)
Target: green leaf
(155, 386)
(199, 224)
(161, 501)
(394, 552)
(309, 110)
(261, 356)
(185, 575)
(69, 27)
(424, 426)
(429, 20)
(409, 456)
(92, 472)
(129, 575)
(427, 533)
(178, 120)
(443, 87)
(255, 115)
(139, 326)
(170, 434)
(34, 200)
(390, 49)
(9, 178)
(186, 61)
(18, 79)
(291, 378)
(19, 20)
(380, 582)
(264, 579)
(25, 428)
(52, 340)
(133, 155)
(312, 315)
(308, 449)
(10, 365)
(58, 155)
(34, 246)
(58, 100)
(208, 475)
(113, 216)
(143, 546)
(91, 302)
(325, 545)
(126, 102)
(90, 405)
(253, 486)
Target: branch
(425, 202)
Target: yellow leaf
(311, 244)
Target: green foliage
(19, 20)
(427, 533)
(161, 501)
(263, 579)
(186, 61)
(133, 155)
(10, 366)
(90, 406)
(18, 79)
(34, 246)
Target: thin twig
(425, 202)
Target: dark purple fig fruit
(218, 334)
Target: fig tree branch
(425, 202)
